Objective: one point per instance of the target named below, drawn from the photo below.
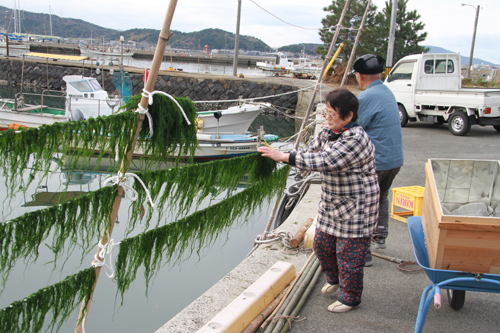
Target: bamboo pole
(297, 296)
(304, 297)
(155, 66)
(353, 52)
(254, 324)
(309, 109)
(292, 285)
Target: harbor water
(188, 66)
(175, 285)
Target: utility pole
(473, 38)
(237, 40)
(392, 36)
(7, 32)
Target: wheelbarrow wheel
(456, 298)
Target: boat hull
(234, 120)
(28, 119)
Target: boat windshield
(95, 85)
(81, 86)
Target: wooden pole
(311, 104)
(299, 236)
(155, 66)
(353, 52)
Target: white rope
(121, 180)
(99, 260)
(301, 188)
(150, 98)
(255, 98)
(142, 110)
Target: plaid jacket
(350, 193)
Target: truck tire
(403, 116)
(497, 127)
(459, 123)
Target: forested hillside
(39, 24)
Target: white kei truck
(428, 88)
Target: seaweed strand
(152, 248)
(28, 315)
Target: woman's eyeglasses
(330, 112)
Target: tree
(370, 37)
(375, 35)
(408, 31)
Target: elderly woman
(348, 209)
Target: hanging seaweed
(172, 136)
(155, 247)
(183, 187)
(31, 151)
(79, 220)
(60, 299)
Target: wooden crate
(455, 242)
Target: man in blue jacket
(379, 116)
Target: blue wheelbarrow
(455, 282)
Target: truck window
(404, 71)
(440, 67)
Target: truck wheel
(497, 127)
(459, 123)
(403, 116)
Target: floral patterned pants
(343, 261)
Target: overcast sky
(449, 25)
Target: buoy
(16, 127)
(199, 124)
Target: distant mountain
(39, 24)
(298, 49)
(464, 60)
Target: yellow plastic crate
(409, 199)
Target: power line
(282, 19)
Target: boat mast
(15, 17)
(50, 20)
(19, 16)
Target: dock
(391, 295)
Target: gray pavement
(391, 296)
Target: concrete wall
(198, 87)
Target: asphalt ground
(391, 296)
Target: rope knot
(121, 180)
(99, 260)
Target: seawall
(43, 74)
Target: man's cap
(369, 64)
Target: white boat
(306, 65)
(84, 98)
(105, 52)
(86, 95)
(213, 147)
(235, 119)
(281, 64)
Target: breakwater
(198, 87)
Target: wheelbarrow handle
(437, 297)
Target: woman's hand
(274, 154)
